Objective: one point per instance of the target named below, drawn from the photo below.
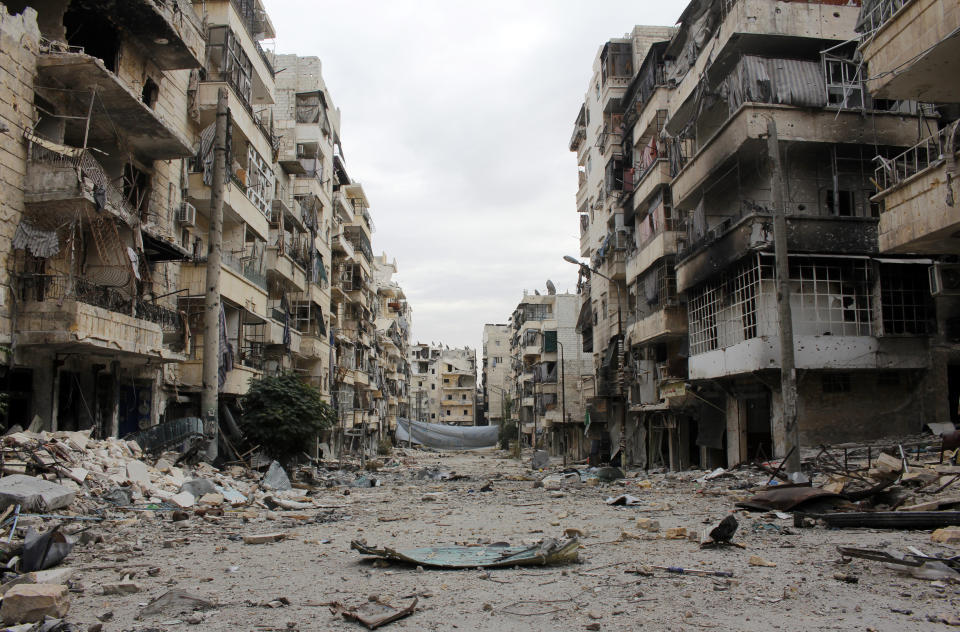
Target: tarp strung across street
(445, 437)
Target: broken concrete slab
(33, 494)
(184, 500)
(540, 460)
(137, 473)
(30, 603)
(198, 487)
(53, 576)
(276, 478)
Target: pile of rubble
(57, 481)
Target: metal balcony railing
(59, 287)
(929, 152)
(872, 18)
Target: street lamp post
(563, 401)
(623, 398)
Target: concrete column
(736, 433)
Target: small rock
(676, 533)
(593, 626)
(125, 587)
(756, 560)
(263, 538)
(593, 614)
(946, 535)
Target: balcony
(839, 353)
(282, 268)
(664, 323)
(910, 47)
(916, 215)
(661, 244)
(170, 34)
(745, 132)
(237, 206)
(241, 282)
(749, 25)
(61, 180)
(733, 239)
(274, 336)
(83, 317)
(314, 347)
(142, 130)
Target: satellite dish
(551, 288)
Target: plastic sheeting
(445, 437)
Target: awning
(157, 249)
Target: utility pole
(211, 330)
(788, 369)
(563, 404)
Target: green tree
(283, 414)
(508, 429)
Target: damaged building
(443, 384)
(108, 129)
(496, 379)
(98, 132)
(693, 172)
(549, 366)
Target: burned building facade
(742, 95)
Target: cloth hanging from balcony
(205, 154)
(699, 221)
(42, 244)
(225, 364)
(285, 306)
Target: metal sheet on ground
(547, 552)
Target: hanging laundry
(42, 244)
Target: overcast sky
(456, 118)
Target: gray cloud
(456, 119)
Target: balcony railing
(247, 266)
(872, 18)
(59, 287)
(929, 152)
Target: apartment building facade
(548, 364)
(96, 128)
(597, 140)
(700, 364)
(393, 323)
(108, 172)
(910, 51)
(425, 393)
(497, 379)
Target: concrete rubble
(238, 550)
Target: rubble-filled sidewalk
(157, 545)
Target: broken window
(228, 62)
(616, 60)
(843, 83)
(703, 310)
(835, 383)
(92, 30)
(150, 92)
(905, 300)
(831, 296)
(260, 184)
(841, 203)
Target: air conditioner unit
(187, 215)
(944, 279)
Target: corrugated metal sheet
(771, 80)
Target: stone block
(29, 603)
(33, 494)
(137, 472)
